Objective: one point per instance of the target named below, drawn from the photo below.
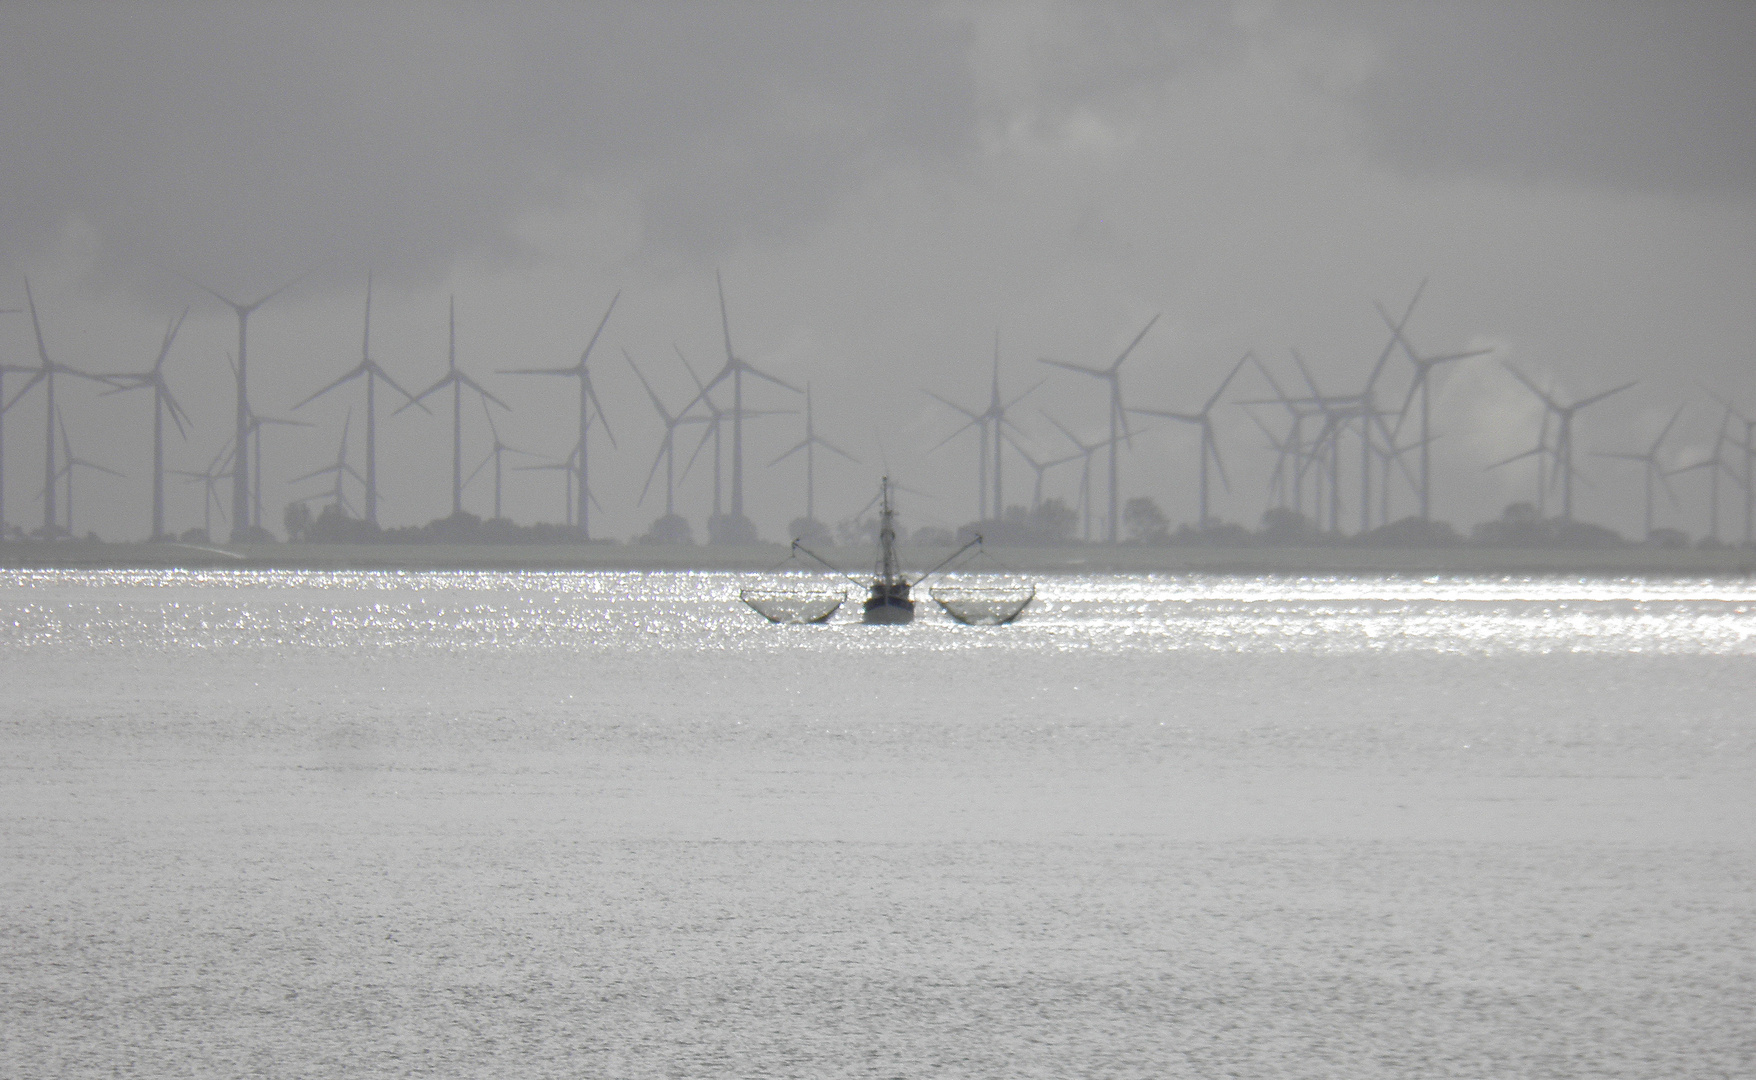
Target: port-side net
(983, 605)
(794, 605)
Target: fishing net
(976, 606)
(805, 605)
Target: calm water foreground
(598, 824)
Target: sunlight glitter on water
(696, 610)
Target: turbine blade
(952, 404)
(586, 355)
(1137, 340)
(1227, 381)
(472, 474)
(1521, 377)
(1595, 398)
(773, 379)
(354, 374)
(1515, 457)
(647, 386)
(480, 389)
(800, 446)
(592, 395)
(826, 444)
(394, 385)
(1099, 372)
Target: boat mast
(886, 538)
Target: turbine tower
(45, 374)
(809, 445)
(1748, 480)
(340, 468)
(5, 405)
(1118, 415)
(715, 425)
(1422, 384)
(1538, 451)
(735, 369)
(1564, 431)
(990, 424)
(1085, 454)
(494, 456)
(459, 382)
(1294, 446)
(1715, 463)
(1649, 466)
(570, 472)
(588, 401)
(1040, 467)
(210, 478)
(162, 404)
(368, 369)
(1204, 420)
(254, 431)
(667, 451)
(240, 470)
(72, 462)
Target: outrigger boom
(888, 601)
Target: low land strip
(1609, 561)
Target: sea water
(599, 824)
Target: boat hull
(889, 605)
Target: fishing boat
(889, 600)
(888, 603)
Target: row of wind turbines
(1316, 435)
(240, 460)
(1394, 444)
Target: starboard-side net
(983, 606)
(794, 605)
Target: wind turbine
(459, 382)
(1422, 384)
(715, 421)
(254, 431)
(1649, 465)
(1337, 413)
(210, 478)
(494, 456)
(1204, 420)
(570, 470)
(1280, 479)
(735, 369)
(1041, 468)
(1085, 454)
(241, 472)
(1748, 445)
(72, 462)
(341, 469)
(1564, 431)
(990, 423)
(809, 445)
(1541, 449)
(1714, 463)
(4, 405)
(162, 404)
(368, 369)
(1294, 446)
(588, 401)
(1118, 414)
(668, 447)
(45, 374)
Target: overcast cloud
(884, 186)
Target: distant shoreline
(1610, 561)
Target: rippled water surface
(326, 824)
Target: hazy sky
(883, 187)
